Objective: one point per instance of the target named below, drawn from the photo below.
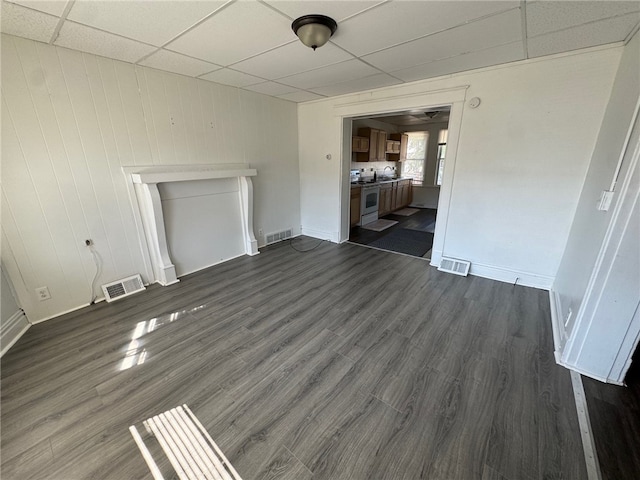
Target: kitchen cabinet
(355, 205)
(403, 194)
(394, 197)
(359, 144)
(384, 204)
(377, 145)
(393, 147)
(401, 154)
(399, 195)
(382, 146)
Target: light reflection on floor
(136, 354)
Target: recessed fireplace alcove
(186, 210)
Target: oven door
(369, 204)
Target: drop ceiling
(249, 43)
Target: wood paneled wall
(71, 120)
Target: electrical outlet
(260, 233)
(43, 293)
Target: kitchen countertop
(378, 182)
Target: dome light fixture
(314, 30)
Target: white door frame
(453, 97)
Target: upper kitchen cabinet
(401, 155)
(359, 144)
(377, 145)
(393, 146)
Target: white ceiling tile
(291, 59)
(336, 9)
(300, 96)
(148, 21)
(396, 22)
(367, 83)
(338, 72)
(271, 88)
(177, 63)
(231, 77)
(236, 32)
(479, 35)
(87, 39)
(54, 7)
(589, 35)
(22, 22)
(546, 17)
(484, 58)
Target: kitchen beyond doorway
(412, 235)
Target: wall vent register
(455, 266)
(122, 288)
(278, 236)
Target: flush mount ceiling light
(314, 30)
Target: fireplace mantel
(184, 173)
(145, 181)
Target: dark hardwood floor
(340, 363)
(614, 413)
(421, 219)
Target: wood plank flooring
(338, 363)
(614, 413)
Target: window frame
(414, 180)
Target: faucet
(385, 169)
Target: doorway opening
(397, 168)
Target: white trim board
(557, 325)
(11, 324)
(586, 433)
(320, 234)
(509, 275)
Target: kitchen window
(442, 152)
(413, 166)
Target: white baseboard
(64, 312)
(507, 275)
(320, 234)
(15, 327)
(500, 274)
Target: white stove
(370, 197)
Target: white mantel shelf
(145, 182)
(188, 173)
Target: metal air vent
(122, 288)
(278, 236)
(455, 266)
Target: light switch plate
(605, 200)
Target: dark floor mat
(402, 240)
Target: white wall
(599, 276)
(203, 222)
(589, 225)
(71, 120)
(521, 161)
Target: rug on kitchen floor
(401, 240)
(429, 227)
(405, 212)
(379, 225)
